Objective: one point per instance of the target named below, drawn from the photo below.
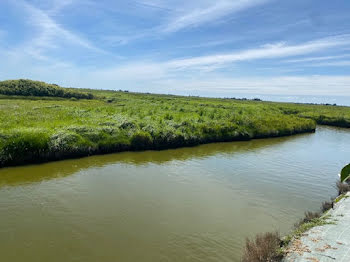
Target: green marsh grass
(49, 128)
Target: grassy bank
(35, 129)
(271, 246)
(323, 114)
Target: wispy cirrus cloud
(199, 66)
(342, 63)
(51, 31)
(317, 58)
(195, 17)
(286, 85)
(155, 4)
(269, 51)
(50, 34)
(219, 85)
(182, 15)
(61, 4)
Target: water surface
(190, 204)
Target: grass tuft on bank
(263, 248)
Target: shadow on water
(14, 176)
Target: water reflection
(35, 173)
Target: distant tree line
(23, 87)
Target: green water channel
(189, 204)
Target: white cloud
(208, 13)
(50, 34)
(200, 73)
(155, 4)
(219, 85)
(152, 77)
(317, 58)
(177, 15)
(269, 51)
(284, 85)
(332, 63)
(210, 63)
(50, 29)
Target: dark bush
(23, 87)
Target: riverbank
(327, 242)
(319, 236)
(46, 151)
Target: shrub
(24, 87)
(264, 248)
(66, 143)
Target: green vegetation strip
(24, 87)
(340, 198)
(57, 126)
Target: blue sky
(202, 47)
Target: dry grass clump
(343, 188)
(264, 248)
(326, 206)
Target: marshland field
(42, 122)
